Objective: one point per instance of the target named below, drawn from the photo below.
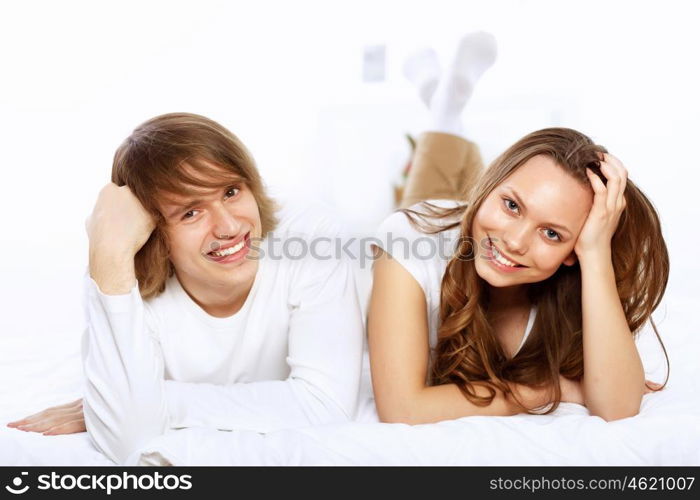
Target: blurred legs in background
(445, 165)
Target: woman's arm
(613, 382)
(399, 352)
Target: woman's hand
(64, 419)
(608, 205)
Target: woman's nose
(515, 241)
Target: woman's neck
(508, 297)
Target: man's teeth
(230, 250)
(501, 259)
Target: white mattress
(40, 367)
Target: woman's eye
(510, 204)
(232, 192)
(190, 214)
(554, 235)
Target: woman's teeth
(230, 250)
(501, 259)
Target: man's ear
(571, 259)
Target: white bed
(40, 366)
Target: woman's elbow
(397, 412)
(397, 418)
(611, 415)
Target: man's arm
(125, 403)
(124, 400)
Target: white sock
(423, 70)
(475, 54)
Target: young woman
(554, 261)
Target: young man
(204, 307)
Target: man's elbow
(119, 438)
(117, 444)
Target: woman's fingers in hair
(615, 185)
(616, 174)
(597, 185)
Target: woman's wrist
(595, 259)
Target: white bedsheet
(666, 432)
(39, 369)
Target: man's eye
(232, 192)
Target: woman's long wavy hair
(468, 353)
(152, 161)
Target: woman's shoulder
(422, 220)
(414, 239)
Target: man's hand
(119, 224)
(64, 419)
(117, 229)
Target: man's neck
(218, 301)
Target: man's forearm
(124, 398)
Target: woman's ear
(571, 259)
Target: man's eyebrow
(188, 205)
(522, 205)
(184, 207)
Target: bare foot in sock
(475, 53)
(422, 68)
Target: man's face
(210, 237)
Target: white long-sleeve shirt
(290, 357)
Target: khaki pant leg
(444, 166)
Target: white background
(286, 77)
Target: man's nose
(226, 224)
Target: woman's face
(528, 225)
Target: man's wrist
(113, 271)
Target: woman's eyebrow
(524, 207)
